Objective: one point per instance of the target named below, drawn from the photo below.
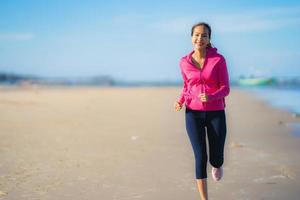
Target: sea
(281, 97)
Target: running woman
(206, 84)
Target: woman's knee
(216, 161)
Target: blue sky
(144, 40)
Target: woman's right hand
(177, 106)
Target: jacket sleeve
(224, 87)
(181, 98)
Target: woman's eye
(203, 36)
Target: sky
(138, 40)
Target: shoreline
(292, 122)
(283, 98)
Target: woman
(206, 84)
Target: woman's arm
(223, 77)
(181, 99)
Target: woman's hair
(206, 25)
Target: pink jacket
(211, 79)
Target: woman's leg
(196, 131)
(202, 187)
(216, 132)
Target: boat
(255, 81)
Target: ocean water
(285, 98)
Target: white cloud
(241, 21)
(16, 36)
(256, 21)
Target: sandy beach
(129, 143)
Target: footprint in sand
(236, 145)
(270, 179)
(288, 172)
(3, 193)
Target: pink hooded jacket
(212, 79)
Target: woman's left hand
(203, 97)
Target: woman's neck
(200, 53)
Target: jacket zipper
(202, 82)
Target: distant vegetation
(104, 80)
(11, 79)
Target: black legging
(215, 123)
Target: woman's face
(200, 37)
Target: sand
(129, 143)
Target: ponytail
(209, 45)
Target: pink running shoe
(217, 173)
